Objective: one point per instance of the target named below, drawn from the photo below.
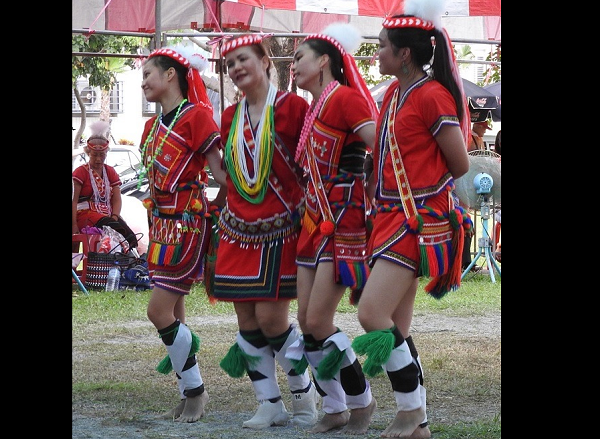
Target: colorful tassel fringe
(164, 254)
(450, 281)
(353, 274)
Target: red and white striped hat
(245, 40)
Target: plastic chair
(83, 243)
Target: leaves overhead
(101, 70)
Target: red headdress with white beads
(195, 63)
(245, 40)
(98, 140)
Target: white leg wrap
(423, 394)
(178, 353)
(400, 358)
(362, 400)
(334, 400)
(296, 382)
(267, 387)
(341, 341)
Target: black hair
(324, 47)
(420, 44)
(165, 62)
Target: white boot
(305, 407)
(268, 413)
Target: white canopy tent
(464, 19)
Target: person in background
(497, 143)
(177, 145)
(338, 130)
(476, 141)
(97, 189)
(417, 230)
(258, 232)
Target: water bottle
(112, 282)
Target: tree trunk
(77, 149)
(281, 47)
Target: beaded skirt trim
(277, 227)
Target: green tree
(494, 72)
(365, 65)
(100, 71)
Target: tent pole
(221, 61)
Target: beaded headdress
(98, 140)
(346, 39)
(245, 40)
(195, 63)
(427, 15)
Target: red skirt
(255, 271)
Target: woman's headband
(246, 40)
(399, 22)
(195, 63)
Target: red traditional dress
(94, 205)
(420, 113)
(334, 161)
(174, 157)
(257, 241)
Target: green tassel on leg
(165, 367)
(195, 344)
(330, 364)
(300, 365)
(378, 346)
(237, 362)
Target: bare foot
(330, 421)
(360, 419)
(174, 412)
(405, 424)
(194, 408)
(421, 433)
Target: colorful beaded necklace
(309, 120)
(153, 134)
(260, 148)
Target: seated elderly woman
(96, 189)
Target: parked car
(126, 160)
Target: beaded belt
(267, 229)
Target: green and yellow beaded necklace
(252, 187)
(149, 161)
